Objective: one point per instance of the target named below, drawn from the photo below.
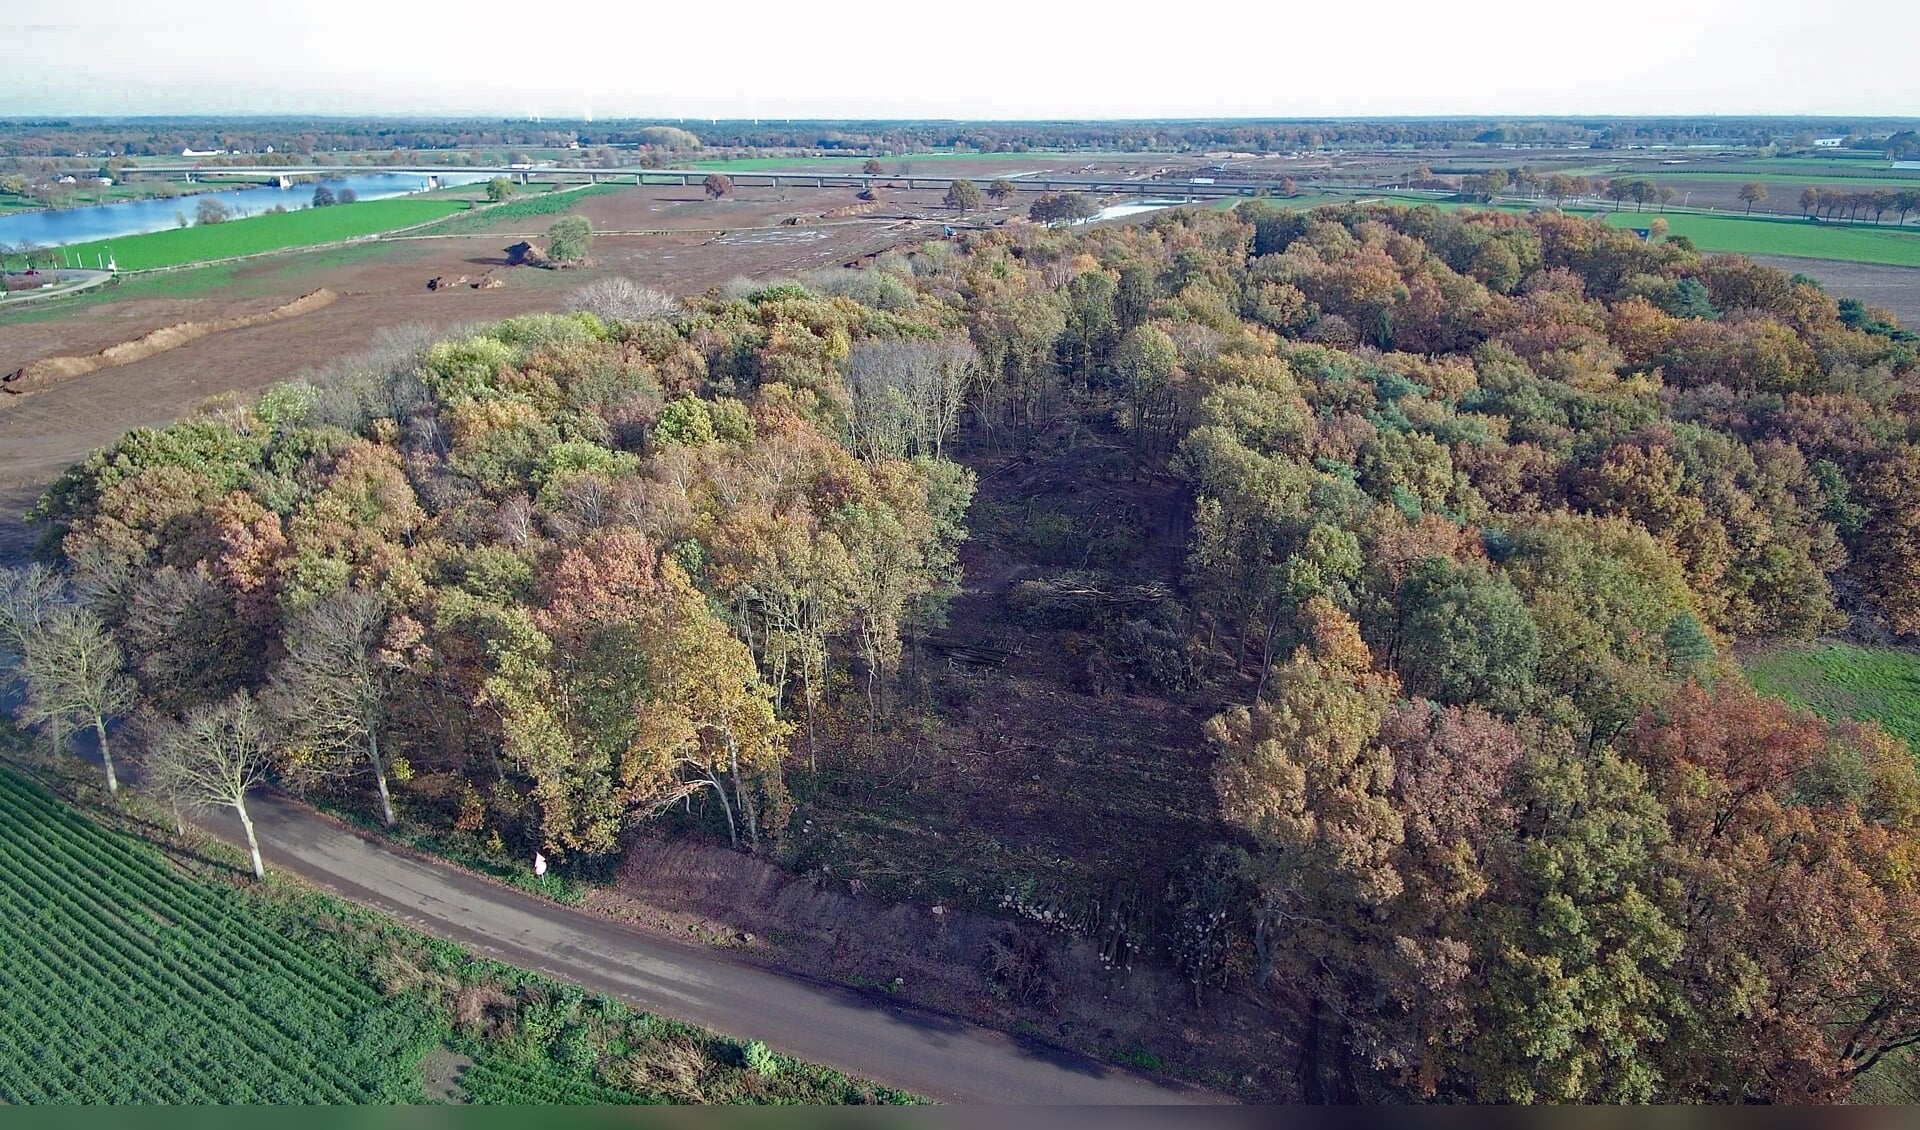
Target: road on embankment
(936, 1056)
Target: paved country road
(936, 1056)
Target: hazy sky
(973, 59)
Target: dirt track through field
(48, 371)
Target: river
(54, 227)
(1115, 211)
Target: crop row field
(126, 981)
(1844, 681)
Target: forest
(292, 137)
(1472, 510)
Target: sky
(978, 59)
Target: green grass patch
(256, 234)
(1843, 681)
(519, 207)
(131, 979)
(1749, 235)
(1772, 235)
(190, 283)
(1860, 183)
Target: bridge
(1025, 182)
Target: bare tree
(27, 596)
(329, 695)
(907, 395)
(212, 759)
(621, 299)
(76, 676)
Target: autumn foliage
(1473, 507)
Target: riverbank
(254, 235)
(122, 193)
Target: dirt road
(936, 1056)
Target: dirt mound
(526, 254)
(851, 210)
(47, 371)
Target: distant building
(191, 152)
(1828, 142)
(68, 180)
(1906, 164)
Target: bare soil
(1894, 288)
(441, 1072)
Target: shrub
(758, 1058)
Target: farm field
(1766, 235)
(1845, 681)
(1889, 178)
(130, 982)
(186, 993)
(1896, 289)
(273, 232)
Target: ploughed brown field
(1894, 288)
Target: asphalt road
(932, 1055)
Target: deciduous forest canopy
(1474, 507)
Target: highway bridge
(1026, 182)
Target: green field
(1771, 235)
(1844, 681)
(527, 205)
(273, 232)
(127, 981)
(1897, 181)
(890, 165)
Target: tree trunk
(386, 799)
(806, 679)
(720, 789)
(380, 776)
(253, 845)
(106, 755)
(1266, 656)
